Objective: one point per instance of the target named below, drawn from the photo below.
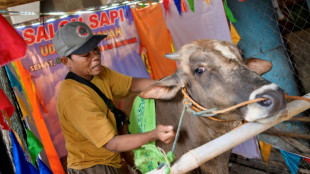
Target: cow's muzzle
(267, 110)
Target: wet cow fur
(215, 76)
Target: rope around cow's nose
(197, 110)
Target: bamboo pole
(194, 158)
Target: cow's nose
(275, 99)
(265, 103)
(267, 110)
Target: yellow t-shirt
(86, 122)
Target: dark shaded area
(5, 161)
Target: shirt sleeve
(89, 120)
(120, 84)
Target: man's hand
(165, 133)
(122, 143)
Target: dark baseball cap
(75, 38)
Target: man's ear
(64, 60)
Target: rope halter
(197, 110)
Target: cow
(215, 76)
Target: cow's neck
(195, 131)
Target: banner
(207, 22)
(155, 38)
(292, 160)
(20, 162)
(248, 149)
(7, 107)
(120, 52)
(12, 45)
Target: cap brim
(90, 44)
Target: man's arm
(122, 143)
(139, 84)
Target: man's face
(85, 65)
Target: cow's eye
(200, 70)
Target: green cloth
(142, 116)
(191, 5)
(34, 146)
(143, 119)
(229, 14)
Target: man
(88, 125)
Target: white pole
(194, 158)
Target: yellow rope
(166, 158)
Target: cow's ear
(164, 89)
(258, 65)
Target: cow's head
(215, 75)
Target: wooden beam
(273, 167)
(304, 171)
(304, 119)
(287, 134)
(304, 150)
(298, 145)
(10, 3)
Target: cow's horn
(173, 56)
